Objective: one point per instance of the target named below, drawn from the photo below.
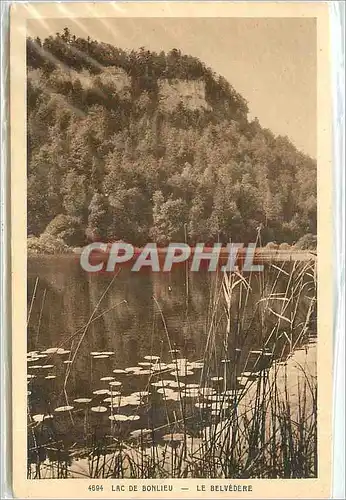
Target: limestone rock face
(190, 93)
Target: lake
(137, 324)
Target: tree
(98, 218)
(68, 229)
(44, 200)
(75, 200)
(307, 242)
(169, 218)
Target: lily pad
(98, 409)
(82, 400)
(115, 383)
(61, 409)
(118, 418)
(100, 392)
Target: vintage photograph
(172, 248)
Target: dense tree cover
(107, 162)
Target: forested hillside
(144, 146)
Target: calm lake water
(134, 319)
(129, 321)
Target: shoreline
(267, 255)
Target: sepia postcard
(171, 193)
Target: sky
(271, 62)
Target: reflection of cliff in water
(128, 319)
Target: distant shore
(283, 255)
(265, 254)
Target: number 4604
(95, 487)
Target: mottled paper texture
(171, 250)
